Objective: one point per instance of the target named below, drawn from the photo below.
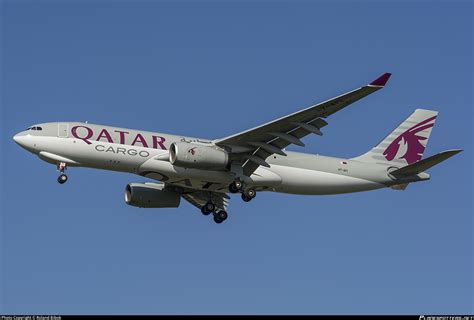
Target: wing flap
(300, 132)
(199, 198)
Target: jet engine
(191, 155)
(151, 196)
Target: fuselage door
(63, 129)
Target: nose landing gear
(62, 177)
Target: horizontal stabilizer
(425, 164)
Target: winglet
(381, 81)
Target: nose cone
(24, 141)
(17, 138)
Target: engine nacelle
(191, 155)
(150, 196)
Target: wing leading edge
(257, 144)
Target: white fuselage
(146, 154)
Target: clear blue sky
(210, 70)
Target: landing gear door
(63, 129)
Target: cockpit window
(35, 128)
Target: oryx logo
(192, 151)
(409, 145)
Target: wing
(200, 198)
(255, 145)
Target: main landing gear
(219, 216)
(236, 186)
(208, 208)
(247, 193)
(62, 176)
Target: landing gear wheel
(204, 211)
(220, 216)
(250, 193)
(238, 184)
(208, 208)
(232, 188)
(245, 198)
(235, 186)
(62, 178)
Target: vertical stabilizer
(406, 144)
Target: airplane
(204, 171)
